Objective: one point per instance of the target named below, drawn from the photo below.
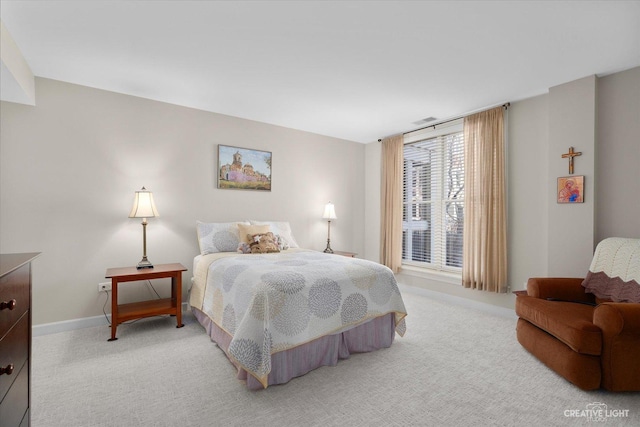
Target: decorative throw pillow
(244, 248)
(263, 243)
(218, 236)
(247, 230)
(280, 228)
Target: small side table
(136, 310)
(347, 254)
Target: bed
(280, 314)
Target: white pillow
(218, 236)
(281, 228)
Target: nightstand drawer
(14, 293)
(14, 350)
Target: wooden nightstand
(347, 254)
(173, 306)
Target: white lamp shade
(143, 205)
(329, 211)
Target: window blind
(433, 200)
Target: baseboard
(73, 324)
(68, 325)
(90, 322)
(488, 308)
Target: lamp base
(328, 249)
(144, 264)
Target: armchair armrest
(618, 318)
(561, 288)
(620, 326)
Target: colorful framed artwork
(244, 168)
(571, 189)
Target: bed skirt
(324, 351)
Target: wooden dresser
(15, 338)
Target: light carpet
(454, 367)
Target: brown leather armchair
(591, 342)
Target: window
(433, 199)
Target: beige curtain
(391, 201)
(484, 263)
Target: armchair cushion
(570, 323)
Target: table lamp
(329, 214)
(144, 207)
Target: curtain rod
(505, 106)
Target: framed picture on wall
(244, 168)
(571, 189)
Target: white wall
(572, 123)
(17, 83)
(70, 165)
(527, 186)
(618, 155)
(373, 182)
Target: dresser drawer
(15, 404)
(14, 287)
(14, 350)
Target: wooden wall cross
(571, 154)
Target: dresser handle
(8, 304)
(8, 370)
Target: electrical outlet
(104, 287)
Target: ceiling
(355, 70)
